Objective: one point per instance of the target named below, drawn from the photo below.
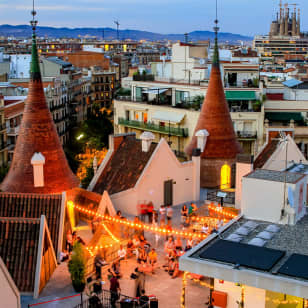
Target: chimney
(196, 173)
(202, 136)
(37, 162)
(146, 141)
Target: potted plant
(76, 267)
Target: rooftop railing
(167, 129)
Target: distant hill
(24, 31)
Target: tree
(77, 267)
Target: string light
(222, 211)
(94, 248)
(110, 233)
(139, 225)
(184, 283)
(202, 283)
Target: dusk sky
(165, 16)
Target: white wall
(295, 94)
(254, 298)
(263, 200)
(20, 66)
(242, 169)
(278, 160)
(9, 293)
(150, 186)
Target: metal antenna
(33, 22)
(118, 24)
(216, 28)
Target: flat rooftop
(270, 256)
(275, 176)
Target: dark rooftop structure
(257, 253)
(125, 166)
(21, 240)
(33, 206)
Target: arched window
(225, 177)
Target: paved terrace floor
(167, 290)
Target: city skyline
(154, 16)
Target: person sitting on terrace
(169, 245)
(64, 255)
(122, 253)
(175, 268)
(205, 228)
(189, 244)
(142, 256)
(178, 243)
(130, 248)
(144, 243)
(153, 259)
(186, 223)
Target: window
(145, 117)
(225, 177)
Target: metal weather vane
(33, 22)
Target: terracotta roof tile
(38, 134)
(33, 206)
(124, 167)
(215, 118)
(266, 153)
(19, 239)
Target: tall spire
(215, 116)
(35, 65)
(38, 134)
(216, 49)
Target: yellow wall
(278, 300)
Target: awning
(155, 91)
(284, 116)
(241, 95)
(291, 83)
(165, 116)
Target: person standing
(144, 300)
(169, 215)
(69, 241)
(114, 290)
(155, 225)
(139, 282)
(150, 210)
(162, 212)
(184, 213)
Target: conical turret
(38, 134)
(215, 118)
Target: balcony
(13, 131)
(246, 134)
(167, 130)
(3, 146)
(2, 127)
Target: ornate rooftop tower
(38, 143)
(222, 146)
